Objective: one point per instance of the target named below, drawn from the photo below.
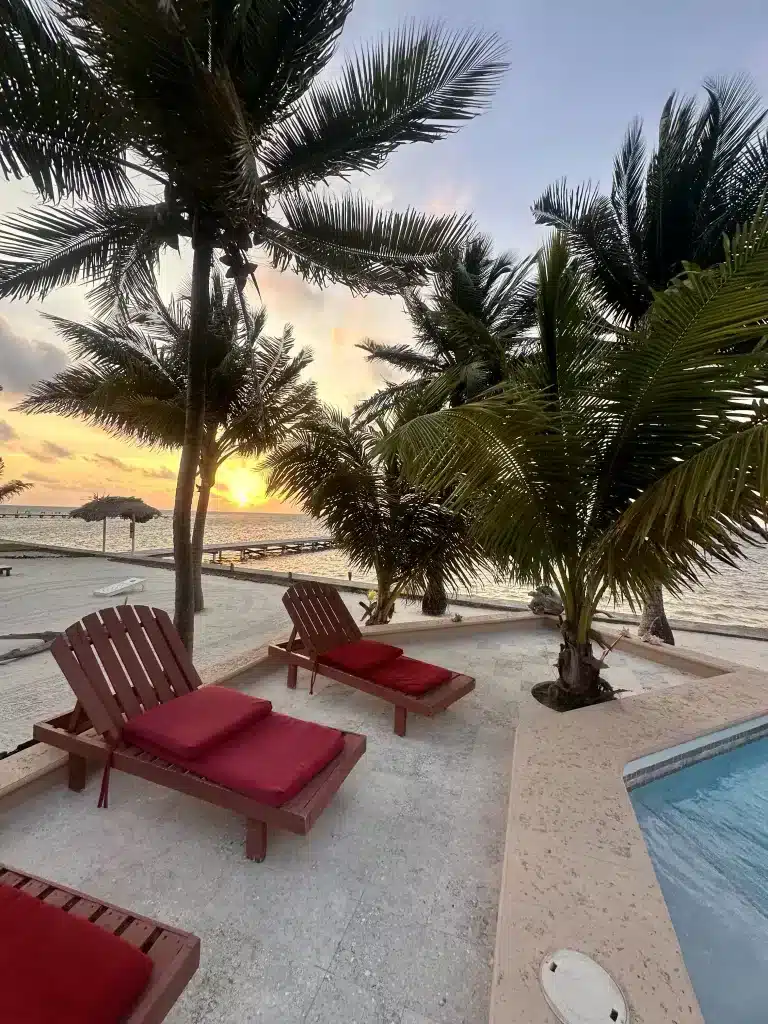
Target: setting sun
(242, 486)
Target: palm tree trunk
(193, 437)
(198, 536)
(654, 618)
(435, 599)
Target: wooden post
(133, 534)
(255, 840)
(401, 715)
(77, 771)
(104, 534)
(292, 671)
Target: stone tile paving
(384, 914)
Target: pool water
(706, 828)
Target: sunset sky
(579, 73)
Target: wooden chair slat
(83, 689)
(306, 617)
(162, 649)
(147, 656)
(119, 637)
(58, 898)
(323, 614)
(84, 908)
(82, 650)
(137, 932)
(165, 949)
(111, 920)
(121, 684)
(10, 878)
(34, 887)
(180, 653)
(320, 616)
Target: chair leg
(77, 770)
(293, 671)
(401, 716)
(255, 840)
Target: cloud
(40, 478)
(7, 433)
(56, 450)
(162, 473)
(111, 460)
(24, 361)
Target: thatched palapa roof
(114, 507)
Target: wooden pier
(253, 550)
(6, 514)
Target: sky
(579, 72)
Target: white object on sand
(129, 586)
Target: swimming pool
(706, 828)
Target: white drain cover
(580, 991)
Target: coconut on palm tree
(333, 467)
(603, 468)
(130, 378)
(706, 176)
(224, 109)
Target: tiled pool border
(655, 766)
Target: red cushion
(190, 725)
(60, 969)
(410, 676)
(271, 760)
(360, 657)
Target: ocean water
(736, 596)
(706, 828)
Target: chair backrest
(123, 661)
(320, 616)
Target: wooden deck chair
(125, 660)
(174, 954)
(322, 623)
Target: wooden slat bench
(175, 954)
(5, 570)
(321, 622)
(123, 660)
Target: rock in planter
(544, 601)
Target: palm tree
(707, 175)
(332, 468)
(130, 378)
(469, 331)
(602, 468)
(223, 109)
(11, 488)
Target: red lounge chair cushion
(410, 676)
(189, 726)
(271, 760)
(60, 969)
(360, 657)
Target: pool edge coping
(570, 820)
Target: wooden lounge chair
(121, 662)
(174, 954)
(323, 625)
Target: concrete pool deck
(386, 913)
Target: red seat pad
(360, 656)
(410, 676)
(270, 760)
(60, 969)
(188, 726)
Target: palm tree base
(554, 696)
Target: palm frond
(416, 85)
(47, 247)
(59, 123)
(348, 239)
